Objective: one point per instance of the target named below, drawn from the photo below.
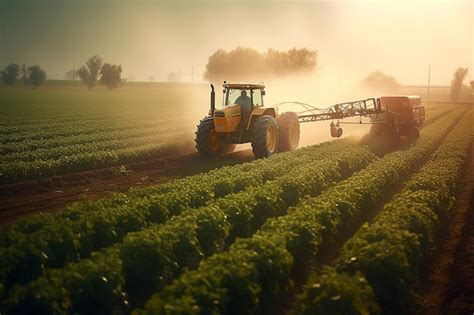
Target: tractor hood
(229, 111)
(227, 119)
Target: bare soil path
(448, 285)
(54, 193)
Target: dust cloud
(318, 90)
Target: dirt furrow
(448, 279)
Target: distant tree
(24, 74)
(10, 74)
(36, 76)
(71, 75)
(246, 63)
(300, 60)
(111, 75)
(456, 83)
(89, 73)
(472, 84)
(379, 81)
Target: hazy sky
(153, 38)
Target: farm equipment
(243, 119)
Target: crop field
(68, 129)
(339, 227)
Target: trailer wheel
(264, 136)
(289, 131)
(377, 129)
(207, 140)
(414, 134)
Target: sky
(153, 38)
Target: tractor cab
(239, 103)
(232, 94)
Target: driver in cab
(245, 103)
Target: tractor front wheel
(264, 136)
(289, 131)
(207, 140)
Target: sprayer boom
(360, 108)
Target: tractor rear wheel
(207, 140)
(289, 131)
(264, 136)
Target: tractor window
(232, 96)
(257, 98)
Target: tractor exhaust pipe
(213, 100)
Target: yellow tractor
(242, 119)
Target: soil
(54, 193)
(448, 285)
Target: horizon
(155, 39)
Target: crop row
(255, 270)
(164, 250)
(44, 144)
(21, 170)
(52, 241)
(35, 122)
(74, 129)
(378, 268)
(55, 152)
(215, 183)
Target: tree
(379, 81)
(300, 60)
(36, 76)
(89, 73)
(10, 74)
(472, 84)
(456, 83)
(111, 75)
(71, 75)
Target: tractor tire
(414, 134)
(264, 136)
(207, 140)
(288, 131)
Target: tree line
(247, 63)
(31, 76)
(92, 72)
(95, 71)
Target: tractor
(243, 118)
(237, 122)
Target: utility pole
(429, 83)
(192, 74)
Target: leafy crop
(255, 270)
(387, 253)
(165, 249)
